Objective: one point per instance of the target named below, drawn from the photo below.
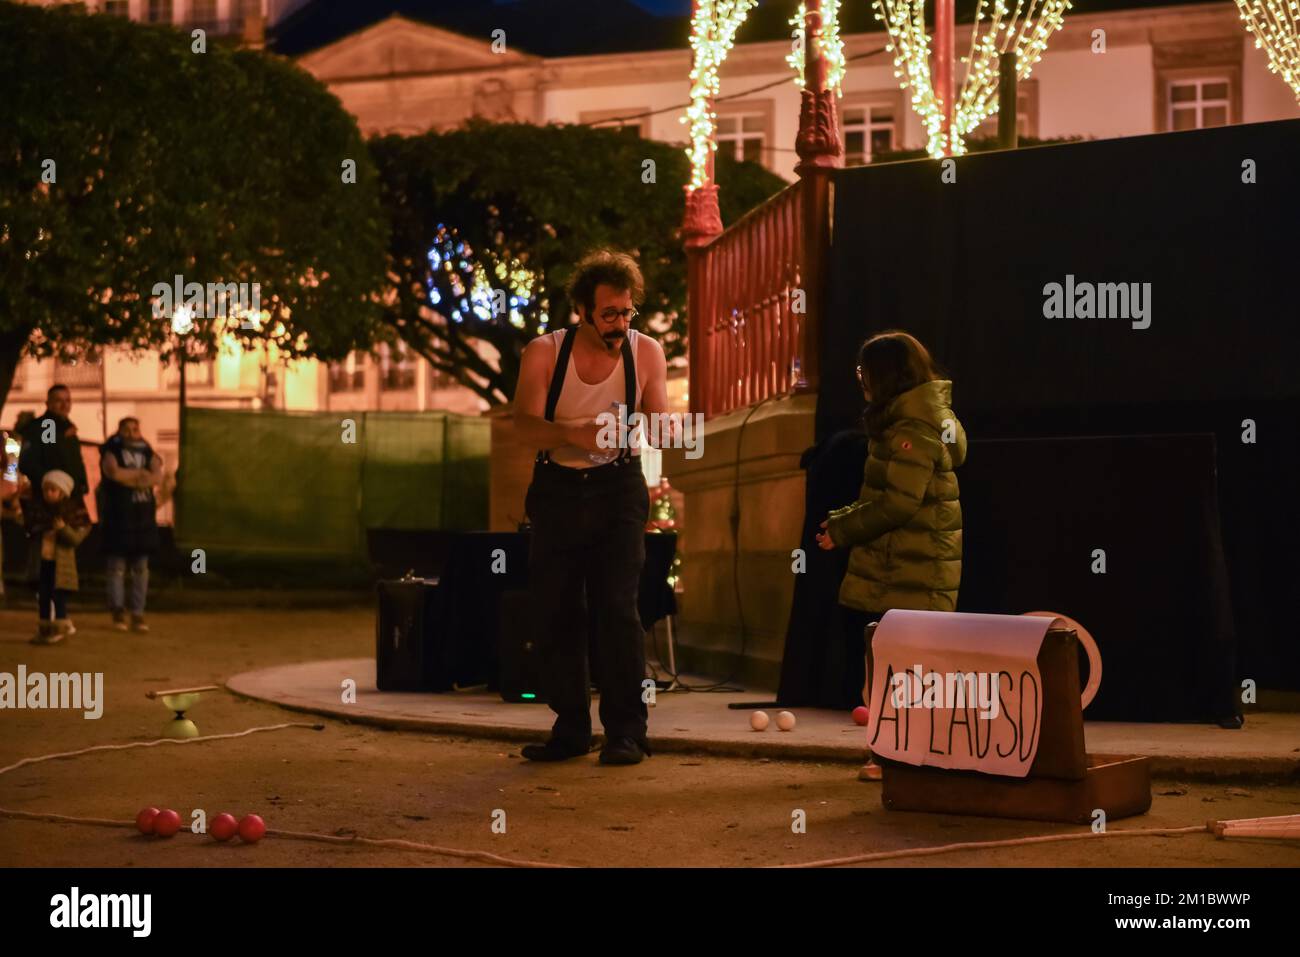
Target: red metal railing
(748, 304)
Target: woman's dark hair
(604, 267)
(889, 364)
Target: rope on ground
(484, 856)
(151, 744)
(416, 846)
(63, 818)
(1010, 842)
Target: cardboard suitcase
(1064, 782)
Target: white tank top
(580, 402)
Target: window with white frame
(742, 135)
(348, 375)
(396, 367)
(203, 13)
(159, 11)
(1198, 103)
(1026, 114)
(869, 129)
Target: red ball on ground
(167, 823)
(144, 820)
(251, 829)
(224, 827)
(861, 715)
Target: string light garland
(1024, 31)
(905, 23)
(832, 46)
(713, 33)
(1275, 25)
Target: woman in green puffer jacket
(905, 527)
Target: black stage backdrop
(963, 266)
(1160, 613)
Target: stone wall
(769, 437)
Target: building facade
(1105, 74)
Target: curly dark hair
(604, 267)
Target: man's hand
(59, 524)
(824, 539)
(585, 436)
(669, 430)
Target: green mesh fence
(425, 471)
(285, 488)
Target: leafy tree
(127, 158)
(488, 220)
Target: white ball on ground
(759, 720)
(785, 721)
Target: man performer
(588, 505)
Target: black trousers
(585, 558)
(850, 675)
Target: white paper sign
(957, 691)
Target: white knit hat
(59, 479)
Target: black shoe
(553, 750)
(624, 751)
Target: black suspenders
(562, 367)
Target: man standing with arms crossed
(588, 506)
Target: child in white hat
(56, 524)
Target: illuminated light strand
(1024, 32)
(909, 43)
(978, 96)
(1275, 26)
(713, 32)
(831, 45)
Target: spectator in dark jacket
(50, 442)
(128, 519)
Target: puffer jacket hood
(931, 404)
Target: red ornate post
(820, 151)
(701, 223)
(945, 29)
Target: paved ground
(444, 789)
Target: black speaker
(407, 653)
(518, 656)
